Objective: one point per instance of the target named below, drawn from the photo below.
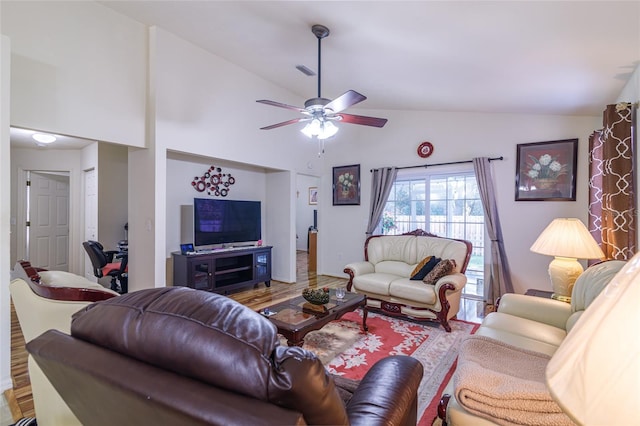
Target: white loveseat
(530, 323)
(385, 276)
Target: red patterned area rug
(345, 350)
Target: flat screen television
(217, 221)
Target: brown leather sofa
(177, 356)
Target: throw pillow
(424, 267)
(444, 267)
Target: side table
(539, 293)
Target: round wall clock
(425, 149)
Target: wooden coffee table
(296, 317)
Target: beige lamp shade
(567, 237)
(595, 374)
(568, 240)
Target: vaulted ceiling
(549, 57)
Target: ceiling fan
(319, 113)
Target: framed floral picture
(546, 171)
(346, 185)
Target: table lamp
(568, 240)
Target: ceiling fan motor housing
(315, 104)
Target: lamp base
(564, 271)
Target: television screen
(225, 221)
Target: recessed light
(43, 138)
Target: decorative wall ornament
(214, 182)
(425, 149)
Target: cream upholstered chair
(46, 300)
(548, 327)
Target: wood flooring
(20, 399)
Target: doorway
(307, 202)
(47, 219)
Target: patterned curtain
(612, 199)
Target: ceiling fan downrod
(320, 31)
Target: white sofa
(46, 300)
(384, 276)
(532, 324)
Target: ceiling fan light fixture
(328, 129)
(322, 129)
(312, 128)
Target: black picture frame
(346, 185)
(546, 171)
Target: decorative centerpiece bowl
(317, 297)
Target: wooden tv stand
(223, 270)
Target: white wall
(5, 214)
(250, 185)
(455, 136)
(206, 106)
(113, 181)
(78, 69)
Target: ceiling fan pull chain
(320, 146)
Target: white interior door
(49, 220)
(90, 216)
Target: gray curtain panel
(381, 182)
(499, 274)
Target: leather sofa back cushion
(401, 248)
(589, 285)
(214, 339)
(411, 249)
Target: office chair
(103, 265)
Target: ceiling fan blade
(361, 119)
(344, 101)
(281, 105)
(284, 123)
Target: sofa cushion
(394, 267)
(405, 288)
(444, 267)
(424, 267)
(530, 329)
(214, 339)
(377, 283)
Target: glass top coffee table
(296, 317)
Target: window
(444, 204)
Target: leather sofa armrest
(361, 268)
(357, 268)
(457, 279)
(546, 311)
(388, 393)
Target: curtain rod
(443, 164)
